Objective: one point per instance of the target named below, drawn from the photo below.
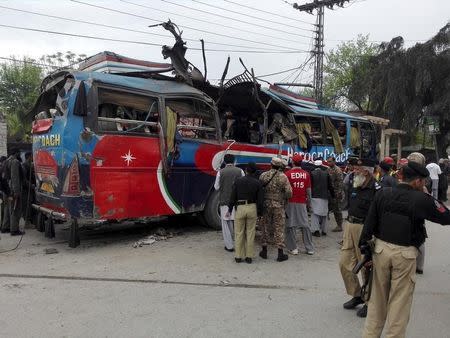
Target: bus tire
(211, 213)
(49, 228)
(40, 226)
(74, 237)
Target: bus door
(192, 140)
(126, 158)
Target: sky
(276, 27)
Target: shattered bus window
(122, 112)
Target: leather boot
(263, 252)
(282, 256)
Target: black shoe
(263, 252)
(248, 260)
(229, 250)
(419, 271)
(4, 231)
(282, 256)
(324, 233)
(238, 260)
(362, 312)
(316, 233)
(352, 303)
(17, 233)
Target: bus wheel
(40, 226)
(49, 228)
(74, 239)
(211, 213)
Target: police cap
(415, 170)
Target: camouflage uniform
(276, 194)
(337, 182)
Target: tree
(53, 62)
(19, 89)
(344, 67)
(409, 85)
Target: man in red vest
(296, 211)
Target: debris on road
(50, 251)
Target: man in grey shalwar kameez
(321, 186)
(296, 212)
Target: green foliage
(19, 89)
(344, 67)
(406, 85)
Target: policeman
(277, 191)
(362, 194)
(247, 196)
(396, 223)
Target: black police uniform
(396, 220)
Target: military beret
(414, 169)
(277, 161)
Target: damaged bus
(129, 142)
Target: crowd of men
(17, 182)
(387, 204)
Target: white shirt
(434, 171)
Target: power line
(119, 28)
(227, 17)
(148, 43)
(255, 17)
(201, 20)
(192, 28)
(263, 11)
(24, 61)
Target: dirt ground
(189, 286)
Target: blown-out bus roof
(157, 86)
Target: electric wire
(229, 18)
(271, 13)
(121, 28)
(205, 21)
(258, 18)
(23, 61)
(147, 43)
(192, 28)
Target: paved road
(188, 286)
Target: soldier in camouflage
(277, 191)
(337, 182)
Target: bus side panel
(126, 178)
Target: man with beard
(361, 196)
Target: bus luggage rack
(244, 77)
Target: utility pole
(319, 5)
